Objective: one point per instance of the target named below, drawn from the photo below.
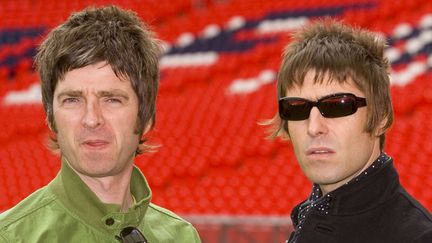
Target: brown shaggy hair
(108, 34)
(340, 51)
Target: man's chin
(323, 178)
(94, 166)
(98, 173)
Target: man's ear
(50, 127)
(147, 128)
(381, 129)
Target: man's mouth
(95, 143)
(319, 151)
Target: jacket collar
(360, 196)
(83, 203)
(362, 193)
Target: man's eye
(113, 100)
(70, 100)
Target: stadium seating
(217, 83)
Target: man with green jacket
(99, 77)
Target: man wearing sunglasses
(99, 78)
(334, 106)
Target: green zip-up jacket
(66, 210)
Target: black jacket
(375, 210)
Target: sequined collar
(322, 204)
(375, 166)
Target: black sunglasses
(330, 106)
(131, 235)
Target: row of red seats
(268, 179)
(214, 158)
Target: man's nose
(317, 123)
(93, 116)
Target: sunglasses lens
(132, 235)
(294, 109)
(332, 106)
(338, 106)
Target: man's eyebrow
(72, 93)
(111, 93)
